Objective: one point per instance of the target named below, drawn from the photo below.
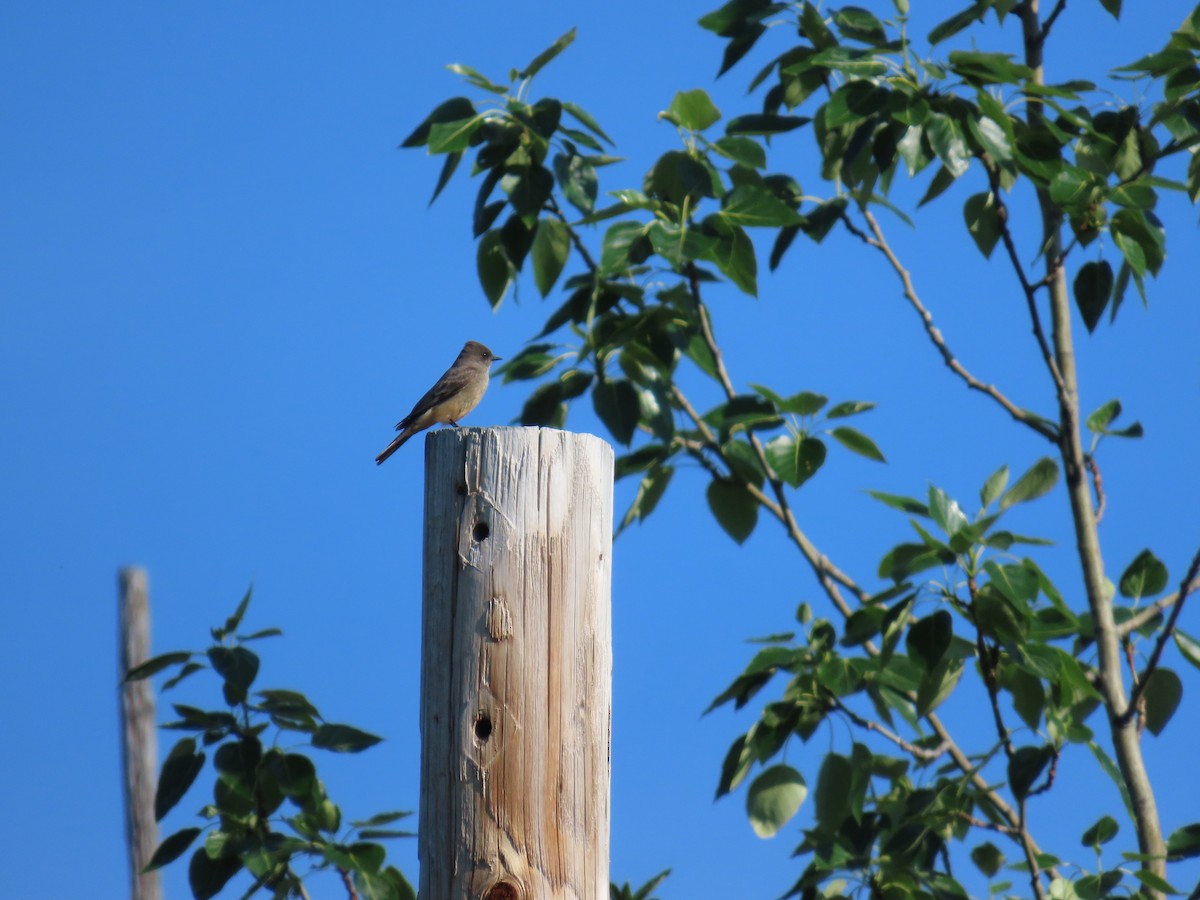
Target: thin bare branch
(913, 750)
(987, 667)
(1029, 290)
(879, 242)
(1155, 609)
(1097, 483)
(999, 827)
(1050, 19)
(1185, 588)
(580, 247)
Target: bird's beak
(497, 358)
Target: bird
(456, 393)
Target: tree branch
(1098, 484)
(879, 242)
(1165, 635)
(1050, 19)
(1126, 745)
(1030, 290)
(1140, 618)
(912, 749)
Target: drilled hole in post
(461, 489)
(481, 532)
(483, 727)
(502, 891)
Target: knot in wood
(503, 890)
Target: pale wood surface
(139, 738)
(516, 693)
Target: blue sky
(222, 286)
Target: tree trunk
(516, 673)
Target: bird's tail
(392, 447)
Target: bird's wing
(451, 382)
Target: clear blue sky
(222, 286)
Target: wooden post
(516, 670)
(139, 739)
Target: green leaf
(742, 150)
(453, 110)
(987, 68)
(551, 245)
(453, 137)
(495, 271)
(1184, 843)
(764, 123)
(677, 177)
(1145, 577)
(530, 193)
(1025, 767)
(745, 412)
(945, 512)
(1036, 482)
(795, 460)
(577, 178)
(959, 21)
(207, 876)
(1101, 833)
(1093, 887)
(238, 667)
(946, 138)
(448, 169)
(1163, 692)
(774, 798)
(804, 403)
(1140, 238)
(733, 252)
(853, 102)
(585, 119)
(858, 443)
(1093, 288)
(616, 403)
(1145, 876)
(752, 206)
(476, 78)
(848, 408)
(929, 638)
(1099, 420)
(857, 24)
(994, 486)
(172, 848)
(1110, 769)
(1029, 697)
(983, 221)
(734, 507)
(179, 771)
(650, 491)
(232, 623)
(536, 64)
(343, 739)
(156, 664)
(386, 818)
(693, 110)
(995, 138)
(938, 684)
(1188, 646)
(988, 859)
(833, 792)
(904, 504)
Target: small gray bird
(456, 393)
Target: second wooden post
(516, 673)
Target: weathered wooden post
(139, 738)
(516, 671)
